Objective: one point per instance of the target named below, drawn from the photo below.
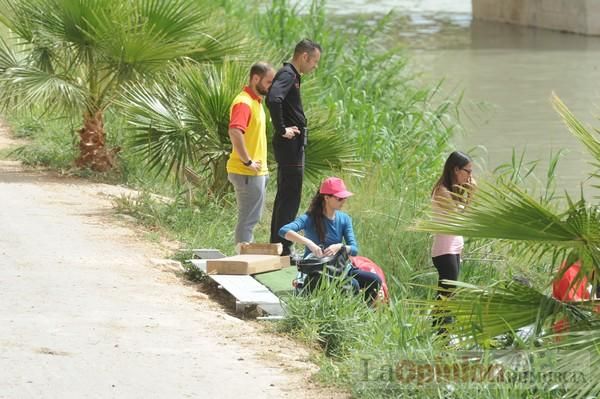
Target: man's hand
(291, 132)
(255, 166)
(333, 249)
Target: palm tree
(506, 212)
(180, 122)
(76, 55)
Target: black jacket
(285, 105)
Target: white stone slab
(205, 253)
(245, 289)
(200, 264)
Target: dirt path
(85, 313)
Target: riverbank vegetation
(370, 123)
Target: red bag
(577, 292)
(564, 290)
(365, 264)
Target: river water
(506, 74)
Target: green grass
(203, 225)
(52, 145)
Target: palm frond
(124, 36)
(330, 149)
(17, 17)
(483, 314)
(192, 177)
(32, 86)
(505, 314)
(182, 120)
(8, 58)
(209, 90)
(161, 134)
(578, 350)
(215, 43)
(103, 43)
(509, 313)
(503, 211)
(577, 128)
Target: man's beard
(261, 90)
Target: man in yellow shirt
(247, 165)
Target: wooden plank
(246, 289)
(261, 249)
(243, 264)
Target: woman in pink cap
(327, 229)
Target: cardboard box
(261, 249)
(285, 261)
(243, 264)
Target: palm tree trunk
(92, 144)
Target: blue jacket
(338, 230)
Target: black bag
(333, 266)
(329, 267)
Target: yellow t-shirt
(254, 127)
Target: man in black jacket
(290, 135)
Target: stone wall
(579, 16)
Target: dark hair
(306, 46)
(315, 211)
(456, 160)
(260, 68)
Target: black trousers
(448, 267)
(287, 202)
(369, 282)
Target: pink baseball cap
(334, 186)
